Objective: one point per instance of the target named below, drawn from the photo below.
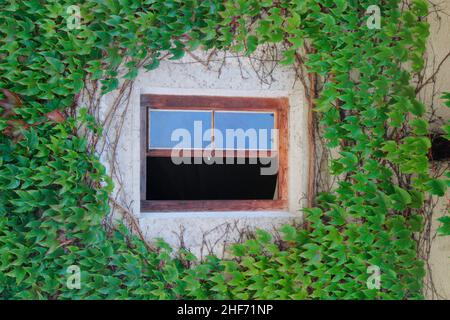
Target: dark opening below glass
(168, 181)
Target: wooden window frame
(279, 106)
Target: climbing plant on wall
(55, 192)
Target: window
(204, 153)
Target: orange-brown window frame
(215, 103)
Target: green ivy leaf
(444, 229)
(437, 187)
(420, 126)
(289, 233)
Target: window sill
(213, 205)
(219, 215)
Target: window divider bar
(200, 152)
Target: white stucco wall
(205, 230)
(438, 49)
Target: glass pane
(179, 129)
(244, 130)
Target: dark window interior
(168, 181)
